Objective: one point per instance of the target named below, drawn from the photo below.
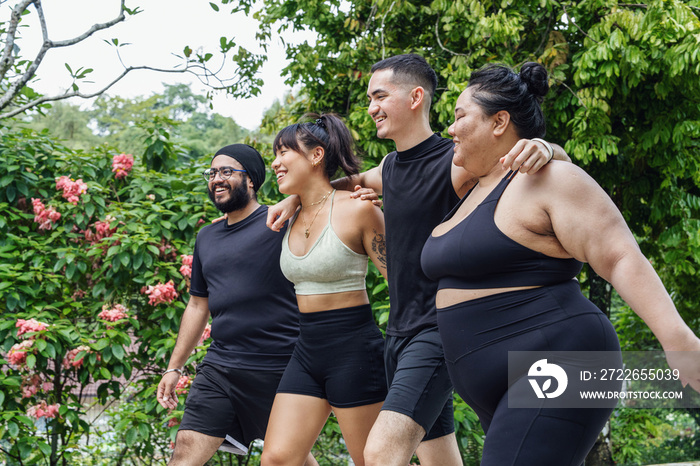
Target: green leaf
(118, 351)
(31, 361)
(131, 436)
(13, 429)
(105, 373)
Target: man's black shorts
(419, 384)
(226, 401)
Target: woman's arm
(373, 238)
(591, 228)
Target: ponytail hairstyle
(328, 131)
(497, 87)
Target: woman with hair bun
(337, 364)
(506, 260)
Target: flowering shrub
(72, 361)
(102, 230)
(183, 385)
(31, 325)
(205, 334)
(17, 356)
(161, 293)
(43, 216)
(72, 189)
(117, 312)
(121, 165)
(186, 268)
(43, 410)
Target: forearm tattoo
(379, 247)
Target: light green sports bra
(329, 266)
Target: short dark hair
(328, 131)
(497, 87)
(412, 69)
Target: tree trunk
(600, 293)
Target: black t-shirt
(255, 319)
(418, 193)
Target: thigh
(295, 423)
(194, 448)
(421, 386)
(542, 436)
(355, 425)
(393, 439)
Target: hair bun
(535, 77)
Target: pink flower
(71, 189)
(31, 386)
(173, 422)
(118, 312)
(121, 165)
(43, 216)
(151, 197)
(186, 268)
(161, 293)
(29, 391)
(102, 230)
(183, 385)
(205, 334)
(31, 325)
(17, 356)
(70, 360)
(43, 410)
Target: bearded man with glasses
(236, 278)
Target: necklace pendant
(306, 233)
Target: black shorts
(419, 384)
(226, 401)
(338, 357)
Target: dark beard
(238, 199)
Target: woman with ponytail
(337, 365)
(506, 260)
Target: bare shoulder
(557, 174)
(355, 207)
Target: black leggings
(477, 336)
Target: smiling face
(473, 135)
(389, 104)
(232, 194)
(292, 168)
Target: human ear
(501, 121)
(417, 96)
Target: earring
(315, 164)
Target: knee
(373, 453)
(272, 457)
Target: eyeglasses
(224, 173)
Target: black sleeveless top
(475, 254)
(418, 193)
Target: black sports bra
(475, 254)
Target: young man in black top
(420, 185)
(237, 279)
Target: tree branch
(15, 88)
(8, 59)
(437, 36)
(93, 29)
(68, 95)
(577, 26)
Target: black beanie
(250, 159)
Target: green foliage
(120, 237)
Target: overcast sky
(164, 27)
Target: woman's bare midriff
(325, 302)
(451, 296)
